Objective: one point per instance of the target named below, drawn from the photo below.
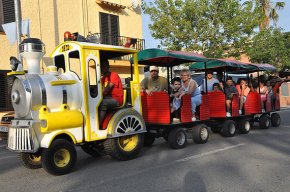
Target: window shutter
(109, 28)
(104, 20)
(7, 12)
(114, 21)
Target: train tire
(148, 139)
(125, 147)
(30, 160)
(264, 121)
(200, 134)
(244, 126)
(60, 158)
(275, 120)
(228, 129)
(177, 138)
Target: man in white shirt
(210, 81)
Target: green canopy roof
(230, 65)
(164, 58)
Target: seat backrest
(217, 104)
(253, 103)
(124, 99)
(204, 111)
(268, 103)
(185, 109)
(156, 108)
(235, 106)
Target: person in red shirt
(112, 90)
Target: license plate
(3, 129)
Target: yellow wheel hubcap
(35, 158)
(128, 143)
(61, 158)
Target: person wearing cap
(210, 81)
(154, 82)
(112, 90)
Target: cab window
(75, 63)
(92, 78)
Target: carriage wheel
(177, 138)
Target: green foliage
(214, 27)
(271, 46)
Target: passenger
(216, 87)
(112, 90)
(189, 86)
(243, 91)
(154, 83)
(175, 98)
(220, 78)
(230, 91)
(210, 81)
(175, 95)
(263, 90)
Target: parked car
(4, 123)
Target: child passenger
(175, 95)
(243, 91)
(217, 87)
(230, 91)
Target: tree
(269, 11)
(214, 27)
(271, 46)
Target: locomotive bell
(32, 50)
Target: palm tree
(269, 11)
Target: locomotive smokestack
(32, 50)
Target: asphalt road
(256, 162)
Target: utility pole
(18, 26)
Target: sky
(150, 42)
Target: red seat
(217, 104)
(185, 109)
(235, 106)
(268, 103)
(204, 108)
(253, 103)
(156, 108)
(277, 103)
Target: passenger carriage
(156, 108)
(252, 109)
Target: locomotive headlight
(14, 62)
(15, 97)
(43, 123)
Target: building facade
(115, 22)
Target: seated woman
(243, 91)
(263, 90)
(189, 86)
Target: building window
(7, 12)
(109, 28)
(5, 89)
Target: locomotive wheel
(264, 121)
(92, 149)
(177, 138)
(59, 158)
(275, 120)
(148, 139)
(244, 126)
(200, 134)
(228, 129)
(30, 160)
(124, 148)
